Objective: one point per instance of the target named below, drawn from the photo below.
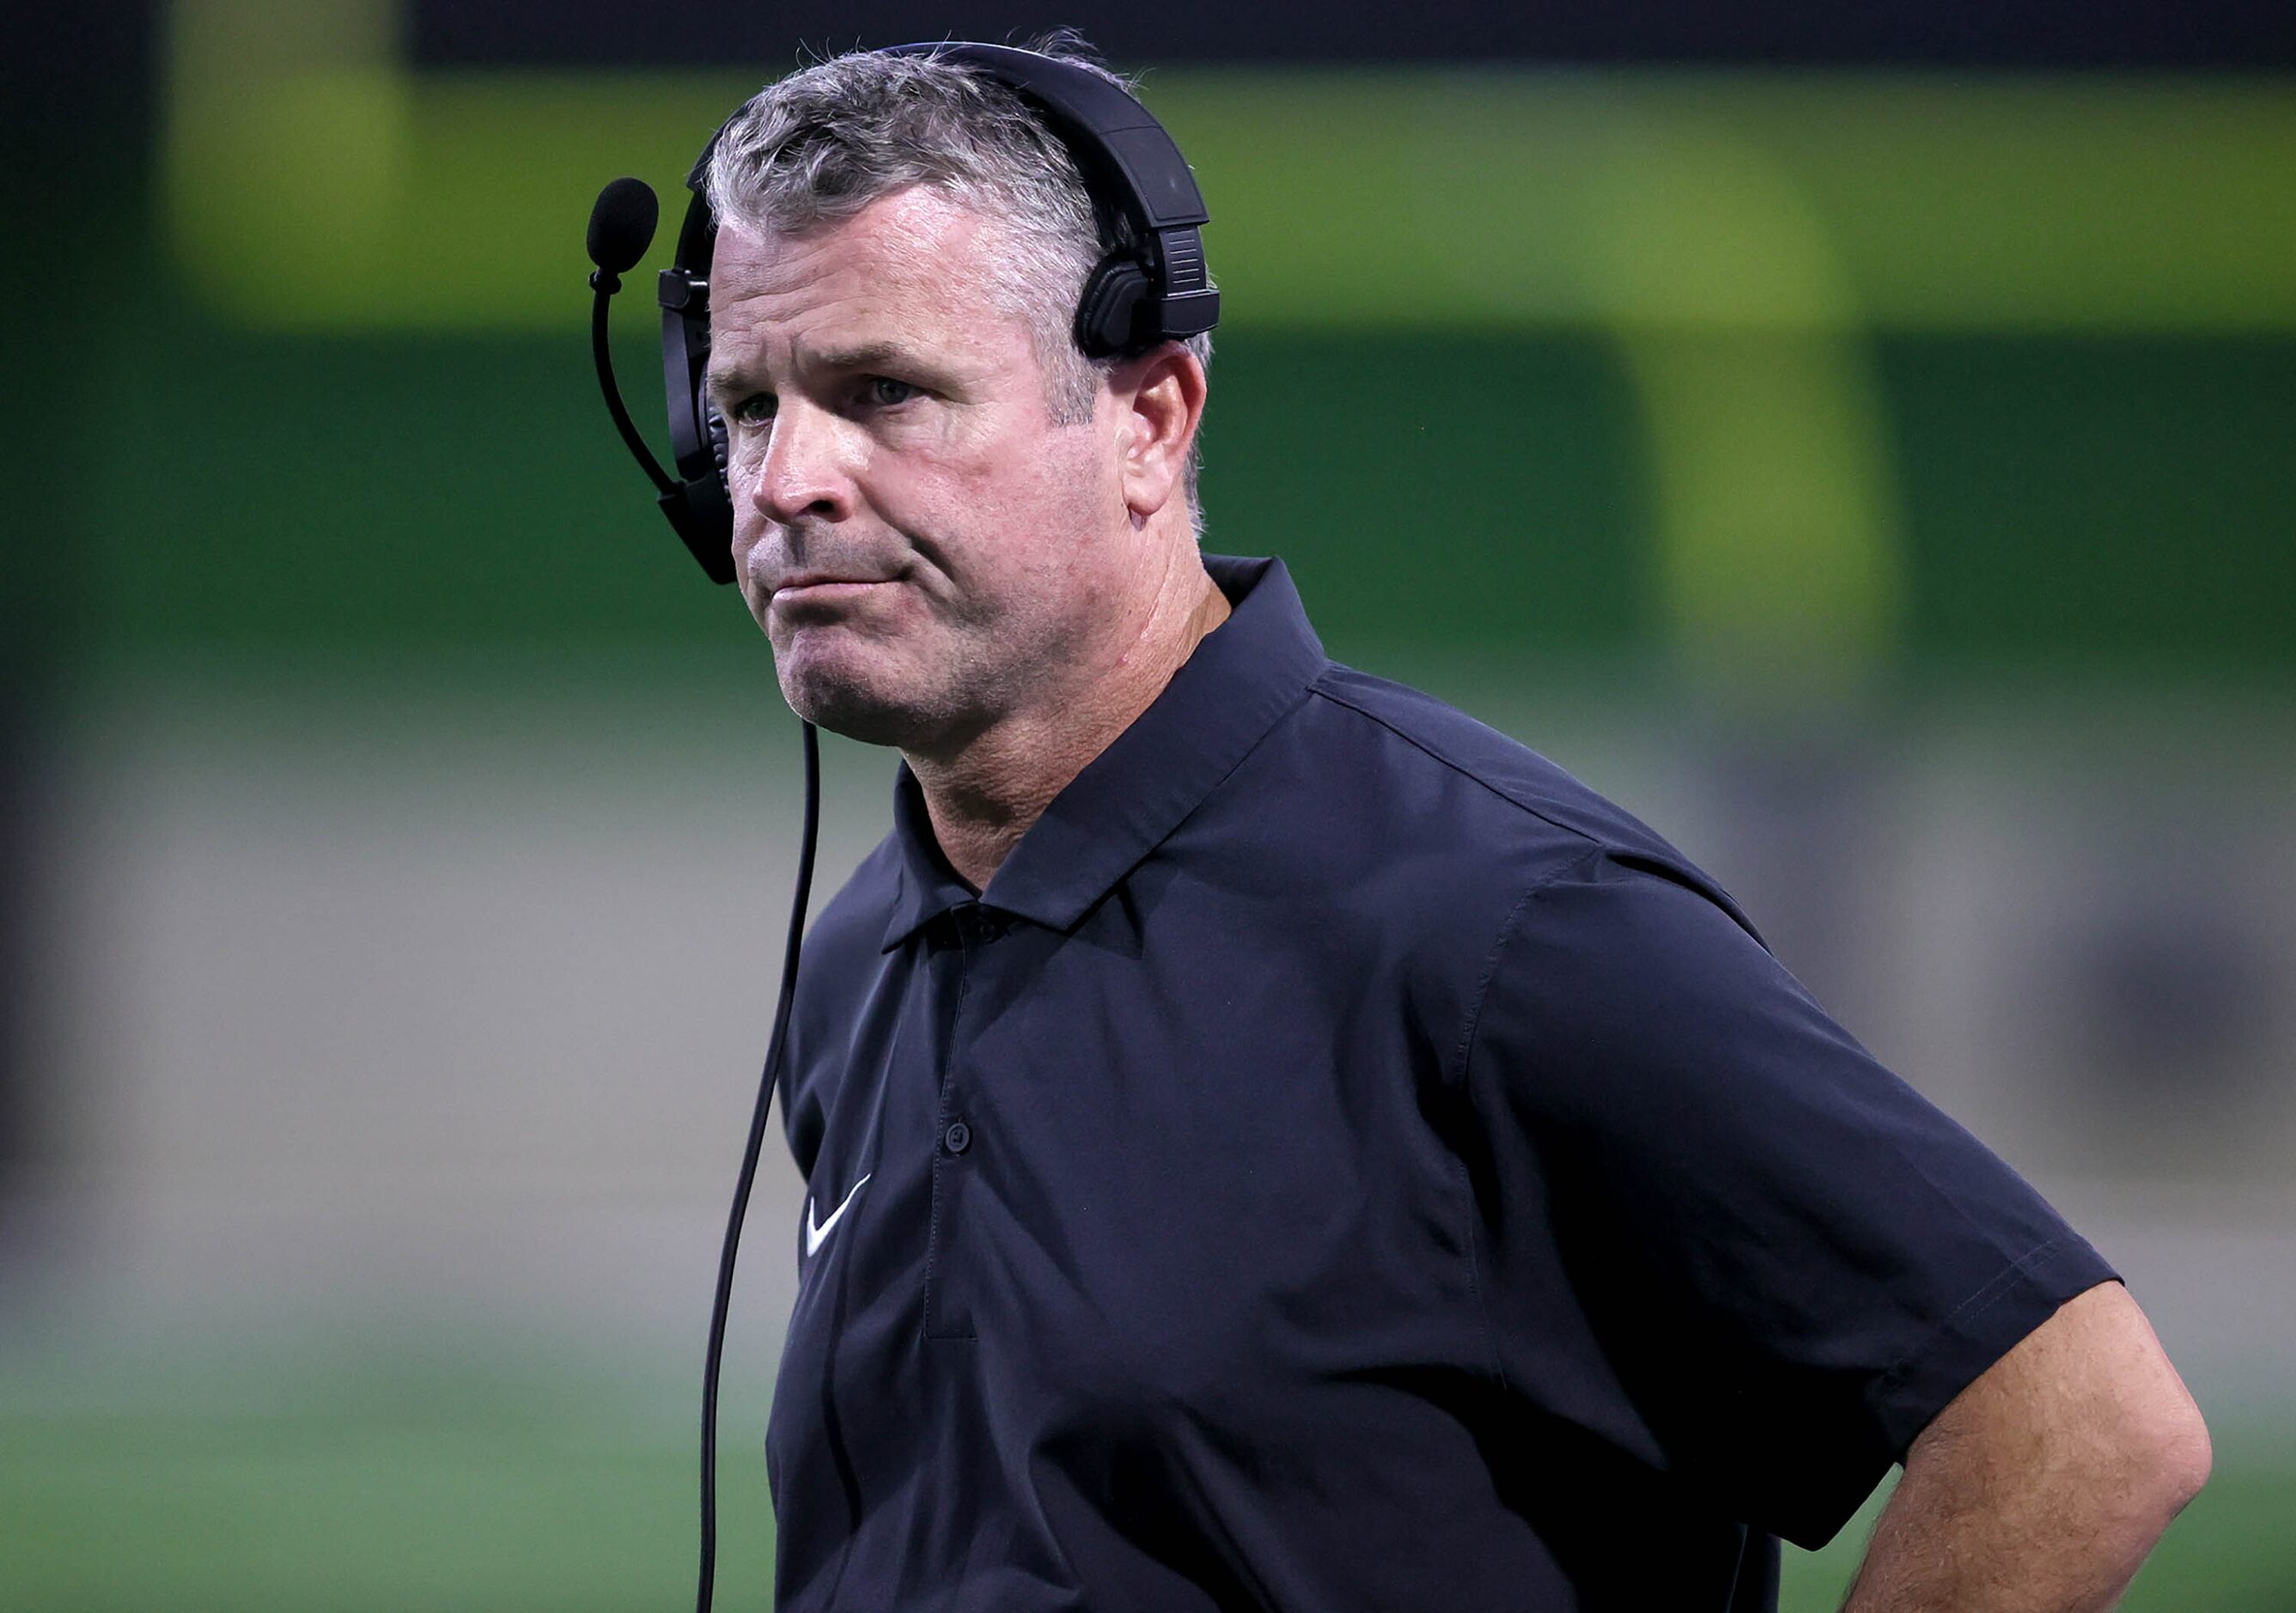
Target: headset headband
(1153, 287)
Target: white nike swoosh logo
(815, 1231)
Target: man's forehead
(910, 268)
(915, 234)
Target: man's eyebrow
(868, 355)
(723, 385)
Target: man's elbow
(2170, 1456)
(2094, 1381)
(2156, 1441)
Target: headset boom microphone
(621, 226)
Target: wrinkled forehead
(915, 248)
(916, 265)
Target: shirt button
(958, 1138)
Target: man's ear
(1161, 393)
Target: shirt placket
(948, 1310)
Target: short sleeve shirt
(1341, 1161)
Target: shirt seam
(1996, 1288)
(1463, 771)
(1463, 1056)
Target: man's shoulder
(1399, 821)
(1501, 796)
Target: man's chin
(851, 709)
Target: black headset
(1151, 287)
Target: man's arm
(2040, 1488)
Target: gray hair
(813, 149)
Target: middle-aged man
(1271, 1141)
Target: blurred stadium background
(1863, 446)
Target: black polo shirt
(1342, 1162)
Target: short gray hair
(815, 148)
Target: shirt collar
(1243, 677)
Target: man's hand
(2042, 1486)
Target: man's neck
(982, 797)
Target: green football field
(444, 1490)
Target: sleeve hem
(1984, 1328)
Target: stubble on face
(985, 529)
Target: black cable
(749, 1168)
(606, 285)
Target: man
(1271, 1141)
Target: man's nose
(806, 473)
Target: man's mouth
(824, 590)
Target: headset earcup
(701, 508)
(1108, 314)
(718, 499)
(720, 449)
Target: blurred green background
(1870, 463)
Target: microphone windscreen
(622, 225)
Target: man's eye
(755, 410)
(885, 392)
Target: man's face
(921, 544)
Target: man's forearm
(2065, 1550)
(2044, 1486)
